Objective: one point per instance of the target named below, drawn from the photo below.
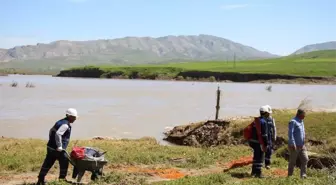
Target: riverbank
(179, 74)
(145, 161)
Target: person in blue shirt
(258, 142)
(296, 143)
(59, 136)
(271, 137)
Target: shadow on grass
(55, 183)
(240, 175)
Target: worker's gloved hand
(59, 149)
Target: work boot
(64, 180)
(41, 182)
(259, 176)
(253, 173)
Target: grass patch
(23, 155)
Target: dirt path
(30, 178)
(151, 173)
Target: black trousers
(51, 157)
(258, 157)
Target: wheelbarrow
(95, 165)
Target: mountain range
(137, 50)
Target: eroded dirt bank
(211, 133)
(181, 75)
(253, 77)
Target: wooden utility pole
(218, 102)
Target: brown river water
(137, 108)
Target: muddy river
(137, 108)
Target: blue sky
(276, 26)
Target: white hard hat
(265, 108)
(269, 108)
(71, 112)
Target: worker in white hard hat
(271, 136)
(59, 137)
(258, 142)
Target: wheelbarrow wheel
(95, 174)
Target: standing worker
(258, 142)
(59, 136)
(296, 144)
(271, 137)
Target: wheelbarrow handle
(68, 157)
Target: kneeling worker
(59, 136)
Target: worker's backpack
(78, 152)
(248, 131)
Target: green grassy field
(319, 63)
(302, 67)
(22, 156)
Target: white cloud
(10, 42)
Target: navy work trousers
(258, 156)
(51, 157)
(268, 155)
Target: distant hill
(134, 50)
(317, 47)
(321, 54)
